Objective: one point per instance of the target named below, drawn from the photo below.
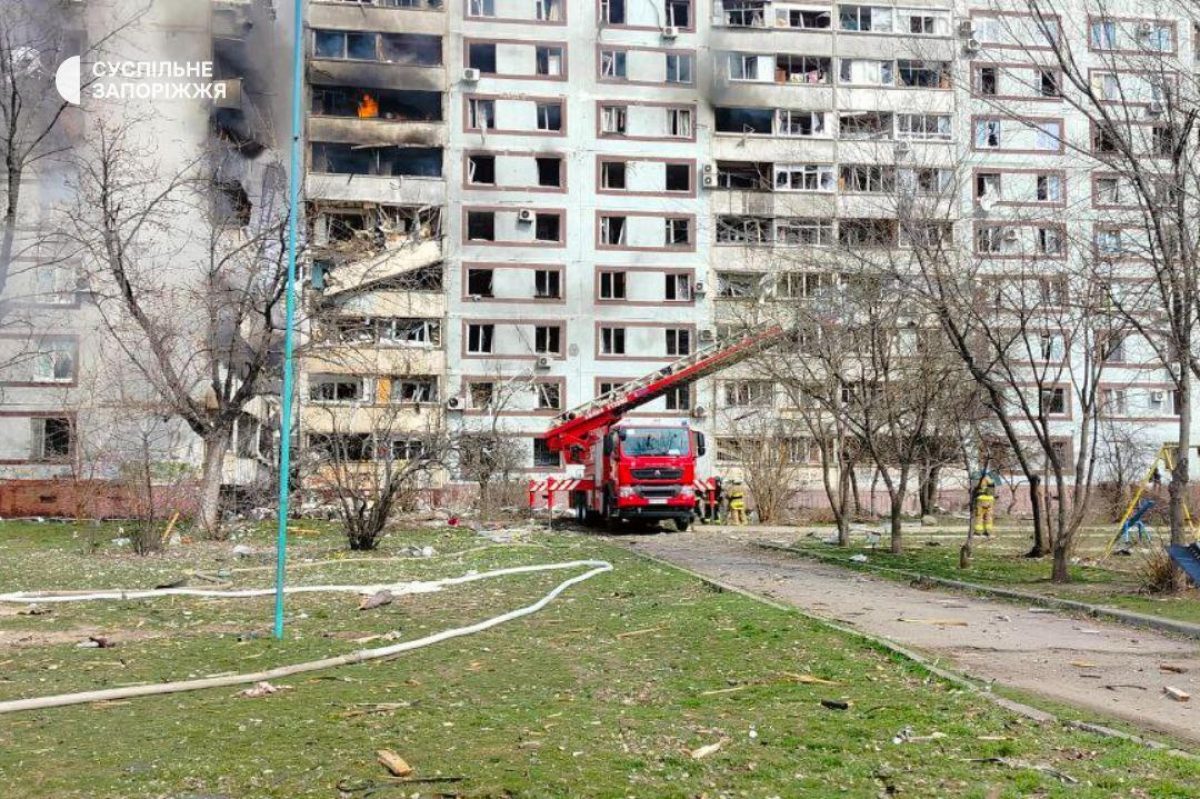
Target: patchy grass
(997, 564)
(603, 694)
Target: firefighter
(985, 505)
(717, 498)
(737, 504)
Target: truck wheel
(580, 508)
(682, 523)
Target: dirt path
(1054, 655)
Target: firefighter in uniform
(737, 504)
(985, 505)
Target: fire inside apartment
(517, 205)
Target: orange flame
(368, 107)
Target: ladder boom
(572, 427)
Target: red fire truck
(635, 470)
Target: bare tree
(1127, 81)
(771, 452)
(188, 278)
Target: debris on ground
(242, 551)
(706, 750)
(835, 704)
(935, 622)
(35, 610)
(808, 679)
(1178, 694)
(376, 600)
(261, 689)
(859, 558)
(907, 735)
(1174, 668)
(1012, 762)
(393, 763)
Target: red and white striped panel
(554, 484)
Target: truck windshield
(655, 441)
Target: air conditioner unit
(525, 215)
(1158, 396)
(903, 148)
(1155, 107)
(543, 362)
(470, 75)
(1145, 28)
(972, 45)
(698, 287)
(1010, 234)
(709, 181)
(707, 169)
(699, 412)
(456, 403)
(966, 28)
(670, 32)
(707, 334)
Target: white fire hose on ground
(595, 567)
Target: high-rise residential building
(516, 205)
(74, 408)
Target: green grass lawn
(603, 694)
(1111, 582)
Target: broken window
(549, 396)
(738, 285)
(481, 170)
(549, 171)
(479, 282)
(348, 159)
(482, 56)
(864, 125)
(867, 179)
(987, 81)
(612, 174)
(679, 123)
(802, 69)
(549, 61)
(612, 341)
(923, 74)
(409, 331)
(335, 388)
(52, 439)
(743, 230)
(612, 64)
(480, 339)
(743, 175)
(481, 114)
(745, 120)
(480, 395)
(679, 341)
(612, 285)
(612, 230)
(612, 119)
(679, 67)
(231, 204)
(414, 389)
(679, 177)
(389, 104)
(677, 286)
(547, 227)
(412, 49)
(678, 398)
(867, 232)
(408, 449)
(679, 13)
(55, 362)
(481, 225)
(678, 232)
(548, 10)
(353, 45)
(547, 339)
(481, 8)
(543, 456)
(549, 116)
(547, 284)
(612, 11)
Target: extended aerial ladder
(576, 432)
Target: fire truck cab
(641, 471)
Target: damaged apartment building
(73, 410)
(517, 205)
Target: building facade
(538, 200)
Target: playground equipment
(1140, 505)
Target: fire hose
(595, 567)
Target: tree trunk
(1039, 548)
(897, 533)
(14, 171)
(208, 512)
(1177, 491)
(928, 490)
(1059, 572)
(854, 495)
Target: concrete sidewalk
(1092, 665)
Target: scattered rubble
(393, 763)
(1178, 694)
(376, 600)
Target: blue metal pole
(285, 415)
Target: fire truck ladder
(572, 427)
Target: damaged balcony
(371, 58)
(365, 115)
(368, 173)
(364, 244)
(391, 16)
